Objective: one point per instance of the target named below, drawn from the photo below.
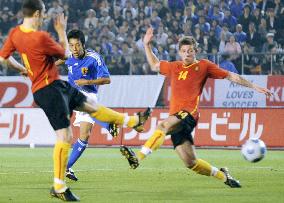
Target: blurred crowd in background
(243, 36)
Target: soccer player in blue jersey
(86, 71)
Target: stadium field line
(144, 168)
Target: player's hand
(148, 36)
(265, 91)
(60, 23)
(82, 82)
(24, 72)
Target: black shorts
(188, 123)
(58, 100)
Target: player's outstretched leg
(67, 195)
(130, 156)
(108, 115)
(233, 183)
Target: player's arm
(6, 58)
(242, 81)
(99, 81)
(59, 62)
(151, 57)
(12, 63)
(60, 25)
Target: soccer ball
(254, 150)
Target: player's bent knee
(64, 135)
(84, 136)
(164, 126)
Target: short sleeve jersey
(37, 50)
(91, 67)
(187, 83)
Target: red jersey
(187, 83)
(37, 50)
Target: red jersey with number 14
(37, 50)
(187, 83)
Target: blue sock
(103, 124)
(78, 148)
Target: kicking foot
(143, 117)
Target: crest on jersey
(196, 68)
(84, 70)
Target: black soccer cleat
(233, 183)
(67, 196)
(113, 129)
(143, 117)
(69, 173)
(130, 156)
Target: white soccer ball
(254, 150)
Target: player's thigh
(186, 152)
(85, 130)
(87, 107)
(169, 124)
(76, 98)
(90, 105)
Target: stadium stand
(250, 31)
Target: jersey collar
(190, 65)
(26, 30)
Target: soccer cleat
(113, 129)
(69, 173)
(67, 196)
(233, 183)
(143, 117)
(130, 156)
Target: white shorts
(85, 117)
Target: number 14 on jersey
(182, 75)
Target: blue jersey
(91, 67)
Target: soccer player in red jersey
(187, 77)
(57, 98)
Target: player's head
(187, 49)
(76, 40)
(34, 9)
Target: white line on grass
(142, 168)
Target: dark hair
(29, 7)
(76, 34)
(226, 56)
(187, 40)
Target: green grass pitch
(104, 176)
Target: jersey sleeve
(102, 70)
(165, 68)
(51, 47)
(8, 48)
(214, 71)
